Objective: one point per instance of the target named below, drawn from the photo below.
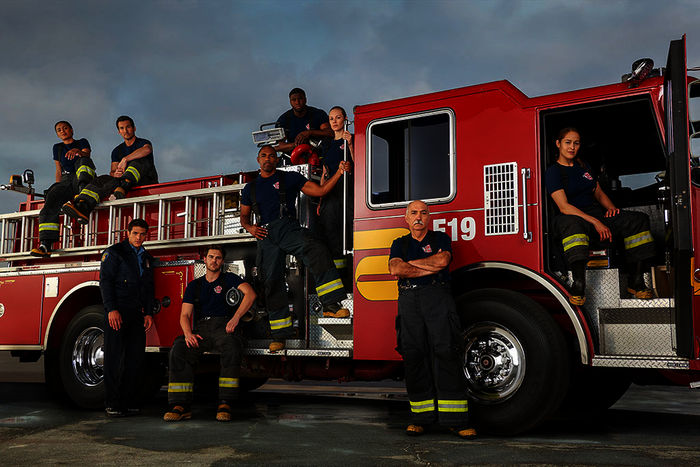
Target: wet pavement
(328, 423)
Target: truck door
(676, 105)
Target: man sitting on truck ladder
(74, 170)
(215, 329)
(428, 327)
(132, 165)
(302, 122)
(271, 196)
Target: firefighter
(428, 327)
(215, 330)
(74, 170)
(132, 165)
(302, 122)
(331, 206)
(272, 197)
(126, 283)
(584, 207)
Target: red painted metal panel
(21, 300)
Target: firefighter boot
(120, 192)
(76, 210)
(223, 412)
(276, 346)
(414, 430)
(636, 285)
(177, 412)
(578, 288)
(464, 433)
(335, 311)
(42, 251)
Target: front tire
(81, 358)
(515, 360)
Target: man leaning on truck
(427, 327)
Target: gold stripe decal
(373, 239)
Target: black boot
(636, 285)
(578, 288)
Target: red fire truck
(477, 156)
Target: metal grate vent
(501, 198)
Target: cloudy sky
(199, 76)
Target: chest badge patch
(308, 126)
(587, 176)
(277, 185)
(427, 249)
(218, 289)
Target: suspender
(282, 192)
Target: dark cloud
(198, 77)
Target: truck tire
(80, 358)
(515, 360)
(594, 390)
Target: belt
(416, 286)
(207, 318)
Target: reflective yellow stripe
(340, 263)
(134, 172)
(452, 406)
(575, 240)
(48, 226)
(422, 406)
(329, 287)
(180, 387)
(639, 239)
(85, 168)
(281, 323)
(228, 382)
(91, 194)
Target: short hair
(267, 146)
(62, 121)
(297, 91)
(417, 201)
(342, 110)
(137, 223)
(217, 247)
(125, 118)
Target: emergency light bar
(268, 136)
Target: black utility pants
(330, 227)
(429, 342)
(138, 172)
(184, 359)
(124, 354)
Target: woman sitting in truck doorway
(330, 210)
(582, 207)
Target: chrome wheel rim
(88, 356)
(494, 362)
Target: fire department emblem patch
(277, 185)
(427, 249)
(587, 176)
(342, 146)
(218, 289)
(308, 126)
(104, 256)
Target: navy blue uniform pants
(124, 353)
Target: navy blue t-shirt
(60, 150)
(580, 183)
(267, 194)
(212, 295)
(123, 150)
(333, 154)
(431, 244)
(294, 125)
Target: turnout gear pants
(61, 192)
(429, 342)
(124, 354)
(184, 359)
(631, 227)
(285, 236)
(330, 228)
(99, 189)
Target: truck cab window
(411, 158)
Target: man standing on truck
(428, 327)
(126, 283)
(215, 330)
(302, 122)
(74, 170)
(271, 196)
(132, 165)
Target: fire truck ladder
(182, 218)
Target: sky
(199, 76)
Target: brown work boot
(414, 430)
(276, 346)
(223, 412)
(335, 311)
(464, 433)
(42, 251)
(177, 413)
(73, 212)
(119, 193)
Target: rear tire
(515, 360)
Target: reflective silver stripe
(422, 406)
(639, 239)
(48, 226)
(329, 287)
(340, 263)
(134, 172)
(85, 168)
(180, 387)
(91, 194)
(452, 405)
(575, 240)
(228, 382)
(281, 323)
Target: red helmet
(304, 154)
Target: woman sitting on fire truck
(583, 206)
(330, 210)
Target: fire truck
(477, 156)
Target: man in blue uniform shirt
(126, 283)
(74, 170)
(427, 327)
(271, 197)
(132, 165)
(215, 330)
(302, 122)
